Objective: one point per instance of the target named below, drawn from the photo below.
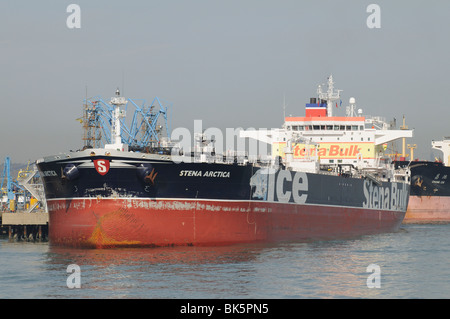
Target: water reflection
(330, 269)
(154, 256)
(413, 264)
(174, 272)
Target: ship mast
(404, 127)
(330, 96)
(116, 140)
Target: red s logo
(101, 166)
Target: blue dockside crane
(9, 187)
(145, 128)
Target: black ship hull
(430, 192)
(133, 199)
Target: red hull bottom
(101, 223)
(428, 209)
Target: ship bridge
(351, 139)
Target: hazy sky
(228, 63)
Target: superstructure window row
(326, 127)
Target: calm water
(414, 263)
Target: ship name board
(49, 173)
(194, 173)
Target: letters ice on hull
(284, 186)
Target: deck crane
(144, 129)
(10, 188)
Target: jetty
(23, 226)
(23, 210)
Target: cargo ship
(429, 200)
(326, 178)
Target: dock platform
(26, 226)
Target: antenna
(123, 82)
(330, 95)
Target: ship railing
(229, 158)
(372, 178)
(375, 174)
(377, 122)
(402, 175)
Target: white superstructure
(444, 147)
(353, 140)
